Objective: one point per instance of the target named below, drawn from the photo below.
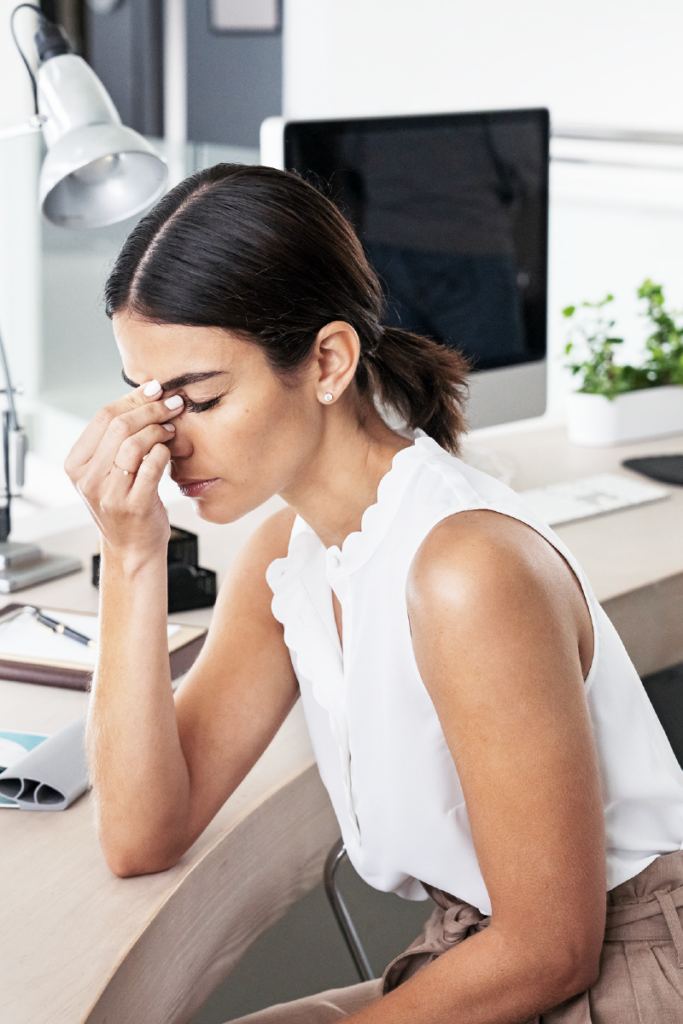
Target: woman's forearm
(491, 978)
(137, 766)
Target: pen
(61, 627)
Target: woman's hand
(116, 466)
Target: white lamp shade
(99, 175)
(96, 171)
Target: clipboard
(53, 660)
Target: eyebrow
(182, 381)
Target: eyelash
(201, 406)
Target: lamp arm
(8, 417)
(14, 422)
(41, 16)
(15, 442)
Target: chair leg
(334, 858)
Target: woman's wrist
(132, 564)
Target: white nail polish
(153, 388)
(174, 402)
(169, 427)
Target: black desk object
(189, 585)
(667, 469)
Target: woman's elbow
(130, 863)
(573, 971)
(583, 977)
(128, 859)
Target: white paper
(24, 637)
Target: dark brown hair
(261, 253)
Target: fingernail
(174, 402)
(153, 388)
(169, 427)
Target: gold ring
(126, 472)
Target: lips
(195, 488)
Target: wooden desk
(78, 945)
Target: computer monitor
(452, 210)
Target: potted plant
(618, 402)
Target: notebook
(31, 653)
(14, 746)
(44, 773)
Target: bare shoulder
(477, 548)
(479, 567)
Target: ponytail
(425, 383)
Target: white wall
(613, 62)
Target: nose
(180, 445)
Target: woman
(476, 720)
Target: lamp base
(25, 565)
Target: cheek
(272, 413)
(264, 427)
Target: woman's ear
(337, 349)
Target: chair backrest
(335, 858)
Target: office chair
(335, 858)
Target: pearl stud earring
(328, 396)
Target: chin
(214, 511)
(223, 512)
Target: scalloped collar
(359, 546)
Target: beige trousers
(641, 966)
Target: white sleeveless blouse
(380, 748)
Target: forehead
(164, 351)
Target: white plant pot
(596, 421)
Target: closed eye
(201, 406)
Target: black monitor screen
(453, 212)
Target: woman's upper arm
(498, 625)
(242, 685)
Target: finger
(136, 447)
(150, 473)
(126, 426)
(118, 484)
(86, 445)
(116, 489)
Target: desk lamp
(96, 172)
